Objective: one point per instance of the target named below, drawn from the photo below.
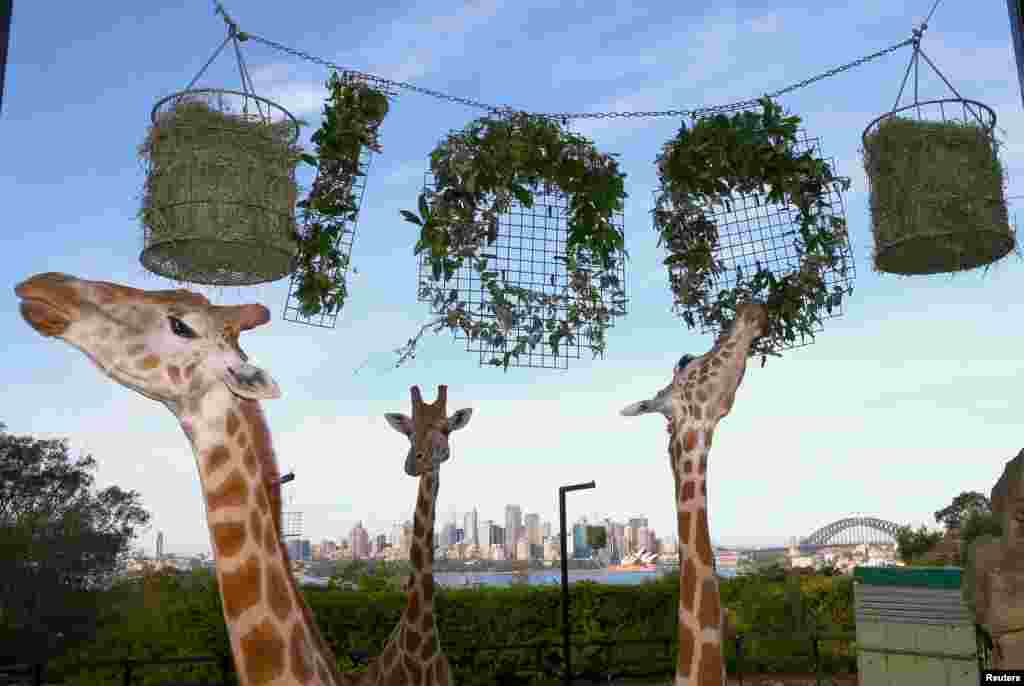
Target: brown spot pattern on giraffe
(232, 423)
(412, 612)
(702, 395)
(242, 588)
(414, 670)
(684, 526)
(256, 527)
(242, 439)
(710, 665)
(690, 440)
(687, 466)
(415, 555)
(412, 638)
(279, 596)
(174, 372)
(261, 499)
(702, 466)
(217, 458)
(710, 610)
(190, 370)
(703, 543)
(428, 588)
(687, 492)
(688, 584)
(228, 538)
(686, 644)
(441, 670)
(251, 463)
(302, 670)
(232, 493)
(135, 349)
(427, 651)
(262, 654)
(697, 413)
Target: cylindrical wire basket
(936, 188)
(219, 201)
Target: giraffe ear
(459, 419)
(646, 407)
(249, 381)
(399, 422)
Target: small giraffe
(702, 391)
(413, 653)
(174, 347)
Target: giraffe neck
(274, 638)
(700, 615)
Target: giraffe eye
(180, 328)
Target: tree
(597, 538)
(956, 513)
(59, 543)
(978, 523)
(913, 544)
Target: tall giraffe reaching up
(702, 391)
(174, 347)
(413, 653)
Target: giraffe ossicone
(175, 347)
(701, 393)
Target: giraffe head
(703, 388)
(171, 346)
(428, 430)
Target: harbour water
(553, 577)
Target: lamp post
(562, 490)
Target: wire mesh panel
(755, 233)
(528, 241)
(343, 243)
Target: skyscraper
(513, 523)
(470, 527)
(360, 542)
(533, 531)
(160, 545)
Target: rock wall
(993, 584)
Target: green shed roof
(917, 577)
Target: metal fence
(544, 660)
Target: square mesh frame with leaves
(524, 254)
(754, 231)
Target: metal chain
(570, 115)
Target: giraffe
(701, 393)
(413, 653)
(174, 347)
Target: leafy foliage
(747, 153)
(59, 542)
(967, 503)
(913, 544)
(352, 116)
(597, 537)
(478, 172)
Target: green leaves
(478, 173)
(702, 167)
(351, 116)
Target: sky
(909, 398)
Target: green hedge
(181, 616)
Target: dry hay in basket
(937, 202)
(219, 197)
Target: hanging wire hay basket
(937, 188)
(756, 232)
(528, 241)
(219, 199)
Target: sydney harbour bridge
(848, 531)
